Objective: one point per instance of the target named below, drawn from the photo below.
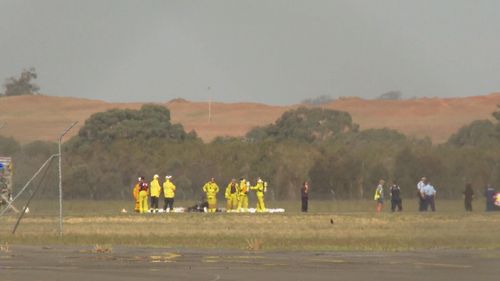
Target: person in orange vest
(135, 193)
(143, 196)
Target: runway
(40, 263)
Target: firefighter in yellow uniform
(135, 193)
(260, 188)
(243, 195)
(231, 195)
(211, 189)
(169, 193)
(154, 190)
(143, 196)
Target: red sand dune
(30, 118)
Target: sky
(275, 52)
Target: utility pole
(209, 110)
(209, 105)
(60, 179)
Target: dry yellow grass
(102, 249)
(4, 248)
(254, 244)
(32, 118)
(451, 228)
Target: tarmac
(75, 263)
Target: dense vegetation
(22, 85)
(320, 145)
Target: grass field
(355, 227)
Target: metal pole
(31, 197)
(209, 105)
(209, 110)
(60, 179)
(28, 183)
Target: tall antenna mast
(209, 105)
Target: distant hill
(41, 117)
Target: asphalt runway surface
(40, 263)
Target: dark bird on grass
(331, 221)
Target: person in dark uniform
(304, 194)
(396, 201)
(489, 193)
(468, 195)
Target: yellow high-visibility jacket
(155, 188)
(229, 190)
(168, 189)
(259, 188)
(211, 188)
(243, 187)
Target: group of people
(492, 198)
(426, 194)
(395, 194)
(236, 195)
(142, 190)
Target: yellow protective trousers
(135, 193)
(212, 203)
(261, 207)
(243, 203)
(143, 201)
(232, 202)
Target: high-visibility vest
(378, 193)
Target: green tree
(383, 135)
(22, 85)
(320, 100)
(496, 113)
(391, 95)
(478, 133)
(307, 125)
(8, 146)
(150, 122)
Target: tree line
(320, 145)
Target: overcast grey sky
(276, 52)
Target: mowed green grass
(355, 227)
